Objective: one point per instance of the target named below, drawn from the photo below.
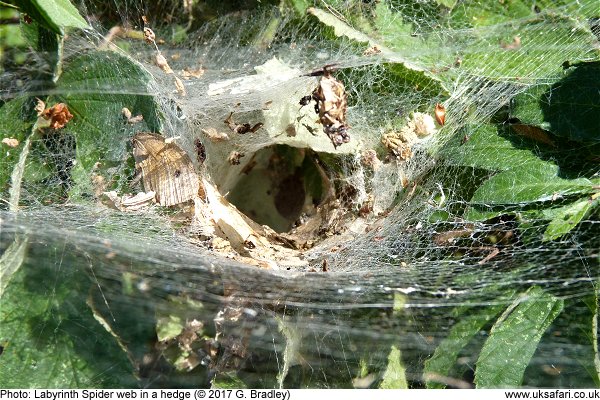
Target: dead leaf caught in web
(331, 105)
(200, 151)
(166, 169)
(130, 118)
(10, 142)
(55, 117)
(214, 135)
(234, 157)
(241, 128)
(440, 114)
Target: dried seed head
(422, 124)
(162, 63)
(149, 36)
(369, 159)
(372, 50)
(126, 113)
(179, 86)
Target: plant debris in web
(241, 128)
(166, 169)
(418, 126)
(55, 117)
(331, 104)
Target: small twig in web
(493, 254)
(8, 5)
(120, 32)
(335, 12)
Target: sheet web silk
(399, 280)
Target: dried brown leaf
(372, 50)
(192, 73)
(440, 114)
(179, 86)
(166, 169)
(58, 115)
(149, 36)
(40, 107)
(533, 133)
(161, 62)
(214, 135)
(234, 157)
(130, 119)
(516, 43)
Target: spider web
(439, 271)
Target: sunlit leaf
(49, 336)
(538, 182)
(395, 373)
(168, 327)
(509, 39)
(567, 217)
(54, 14)
(439, 366)
(486, 149)
(514, 338)
(17, 120)
(568, 107)
(11, 260)
(594, 338)
(343, 29)
(96, 87)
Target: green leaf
(50, 337)
(96, 87)
(48, 46)
(398, 35)
(525, 178)
(11, 260)
(440, 364)
(11, 35)
(53, 14)
(299, 6)
(523, 49)
(487, 150)
(395, 373)
(228, 380)
(447, 3)
(568, 107)
(514, 338)
(477, 14)
(581, 9)
(567, 217)
(343, 29)
(535, 182)
(168, 327)
(475, 213)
